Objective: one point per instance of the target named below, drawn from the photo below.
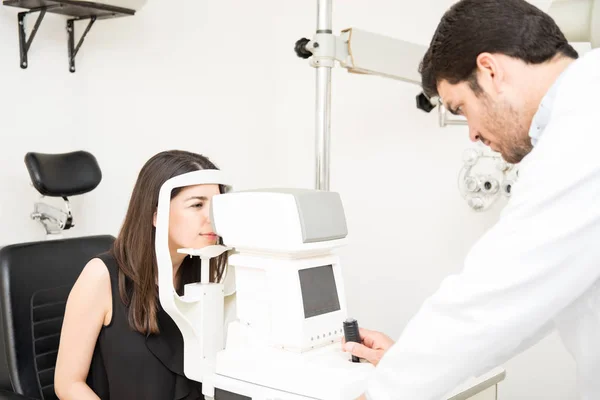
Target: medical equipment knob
(488, 185)
(471, 184)
(300, 48)
(507, 188)
(351, 334)
(476, 203)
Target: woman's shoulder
(96, 272)
(92, 291)
(106, 262)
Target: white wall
(40, 111)
(221, 78)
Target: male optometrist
(507, 68)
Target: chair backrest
(64, 174)
(35, 281)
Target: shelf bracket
(24, 43)
(73, 50)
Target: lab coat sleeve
(543, 254)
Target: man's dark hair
(514, 28)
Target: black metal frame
(24, 43)
(73, 50)
(78, 10)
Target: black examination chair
(36, 277)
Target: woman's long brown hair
(134, 247)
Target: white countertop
(476, 385)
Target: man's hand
(373, 347)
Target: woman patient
(116, 341)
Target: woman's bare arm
(88, 308)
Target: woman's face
(189, 219)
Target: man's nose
(474, 135)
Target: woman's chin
(203, 242)
(199, 243)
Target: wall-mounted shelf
(76, 10)
(72, 8)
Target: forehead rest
(63, 175)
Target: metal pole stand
(323, 60)
(322, 49)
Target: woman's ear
(154, 219)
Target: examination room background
(221, 78)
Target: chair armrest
(4, 395)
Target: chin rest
(63, 175)
(35, 281)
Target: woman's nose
(206, 215)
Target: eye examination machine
(291, 308)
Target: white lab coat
(535, 271)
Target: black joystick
(351, 334)
(300, 48)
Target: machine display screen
(319, 291)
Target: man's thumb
(361, 351)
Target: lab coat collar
(542, 116)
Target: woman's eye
(198, 205)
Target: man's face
(493, 116)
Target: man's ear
(490, 73)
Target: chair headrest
(63, 175)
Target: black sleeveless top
(128, 365)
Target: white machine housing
(579, 20)
(291, 302)
(368, 53)
(289, 283)
(286, 222)
(199, 313)
(286, 340)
